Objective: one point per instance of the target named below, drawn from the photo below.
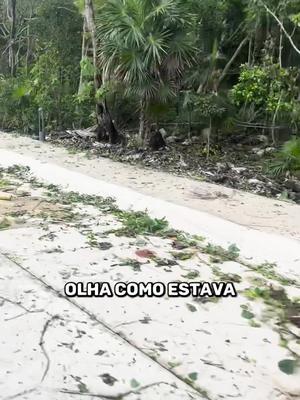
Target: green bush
(17, 109)
(48, 85)
(268, 89)
(288, 159)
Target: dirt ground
(246, 209)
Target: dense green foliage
(288, 159)
(145, 46)
(268, 88)
(47, 68)
(192, 63)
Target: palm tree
(145, 45)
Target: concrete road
(58, 347)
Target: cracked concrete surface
(54, 347)
(54, 350)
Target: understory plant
(17, 109)
(287, 159)
(270, 91)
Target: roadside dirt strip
(242, 208)
(58, 347)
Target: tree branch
(282, 27)
(228, 65)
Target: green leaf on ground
(193, 376)
(247, 314)
(134, 383)
(191, 307)
(287, 366)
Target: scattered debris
(145, 253)
(245, 171)
(5, 196)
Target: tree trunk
(144, 125)
(142, 121)
(249, 52)
(280, 48)
(208, 139)
(84, 49)
(27, 51)
(109, 125)
(190, 124)
(104, 121)
(231, 61)
(289, 37)
(274, 120)
(147, 133)
(12, 16)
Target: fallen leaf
(145, 253)
(134, 383)
(287, 366)
(193, 376)
(247, 314)
(191, 307)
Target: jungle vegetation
(141, 65)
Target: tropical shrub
(287, 159)
(268, 88)
(17, 110)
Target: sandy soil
(246, 209)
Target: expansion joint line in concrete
(201, 393)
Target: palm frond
(145, 44)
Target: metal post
(42, 134)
